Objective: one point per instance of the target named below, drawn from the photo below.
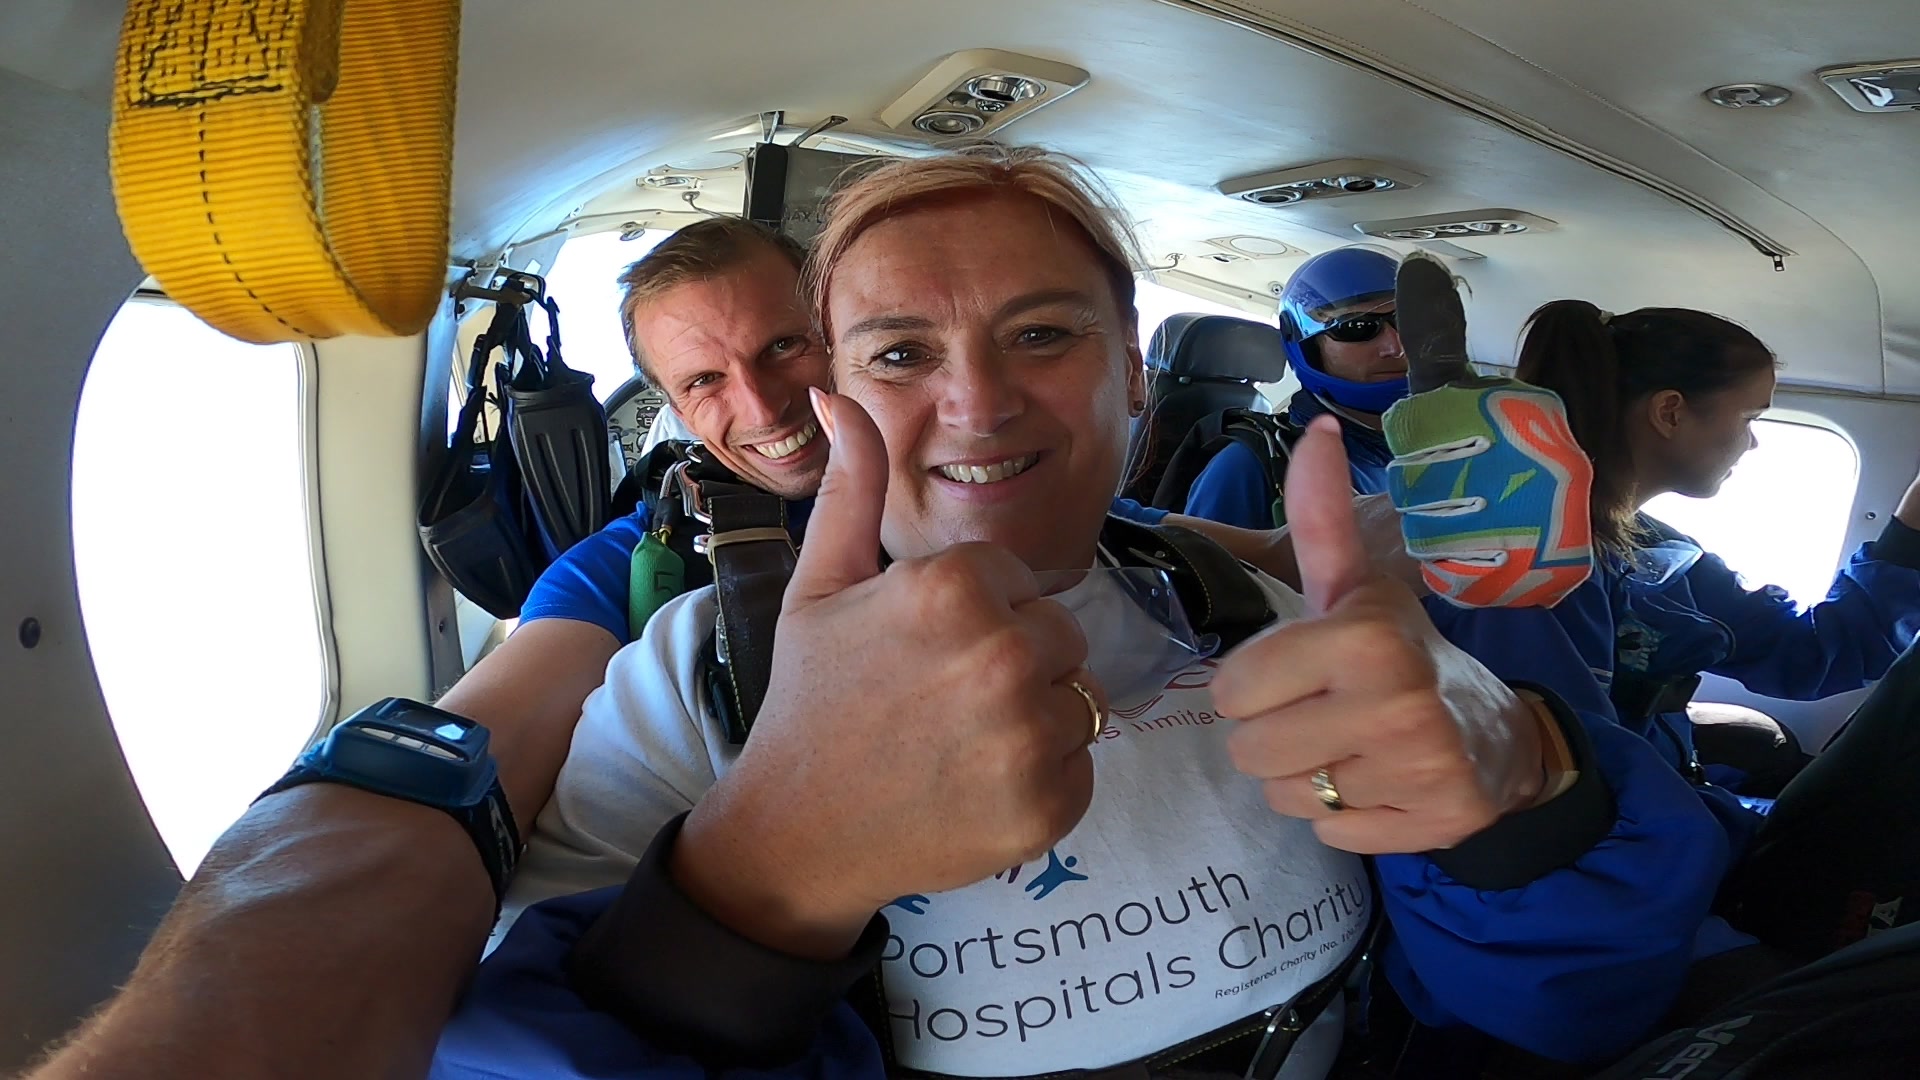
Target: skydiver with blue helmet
(1337, 316)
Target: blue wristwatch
(406, 750)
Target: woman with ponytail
(1662, 400)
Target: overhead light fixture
(1284, 195)
(1256, 247)
(1001, 91)
(989, 87)
(1458, 228)
(948, 123)
(1327, 180)
(1748, 95)
(669, 181)
(717, 161)
(1888, 86)
(1465, 225)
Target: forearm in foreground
(327, 935)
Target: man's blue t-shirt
(589, 583)
(1234, 489)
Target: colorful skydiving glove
(1493, 493)
(1491, 485)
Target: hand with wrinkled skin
(1425, 745)
(920, 732)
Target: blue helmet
(1330, 285)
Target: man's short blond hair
(887, 190)
(702, 251)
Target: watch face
(413, 751)
(453, 732)
(411, 722)
(374, 730)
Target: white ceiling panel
(1589, 115)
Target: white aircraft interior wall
(87, 877)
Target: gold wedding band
(1322, 781)
(1093, 706)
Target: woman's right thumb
(842, 545)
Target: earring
(1137, 408)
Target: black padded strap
(1269, 438)
(753, 559)
(1187, 461)
(1276, 435)
(1218, 593)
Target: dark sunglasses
(1358, 328)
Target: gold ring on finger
(1093, 706)
(1322, 781)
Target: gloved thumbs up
(843, 532)
(1492, 489)
(1490, 482)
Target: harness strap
(1268, 437)
(1642, 699)
(1271, 438)
(1212, 585)
(753, 559)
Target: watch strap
(489, 822)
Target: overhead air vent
(977, 92)
(949, 123)
(1749, 95)
(1888, 86)
(1464, 225)
(1327, 180)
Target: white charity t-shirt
(1181, 902)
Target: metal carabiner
(691, 500)
(1284, 1026)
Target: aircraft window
(585, 282)
(1781, 518)
(196, 576)
(1156, 302)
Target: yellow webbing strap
(283, 167)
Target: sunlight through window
(1157, 303)
(1781, 518)
(190, 543)
(585, 282)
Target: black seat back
(1197, 365)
